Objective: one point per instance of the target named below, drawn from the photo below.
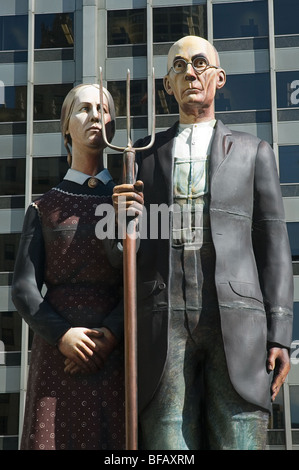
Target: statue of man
(215, 299)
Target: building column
(210, 37)
(89, 41)
(273, 79)
(28, 197)
(150, 63)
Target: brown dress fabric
(84, 411)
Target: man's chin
(193, 101)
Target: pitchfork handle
(130, 311)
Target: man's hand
(128, 200)
(105, 344)
(279, 362)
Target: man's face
(194, 91)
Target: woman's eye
(105, 109)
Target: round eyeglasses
(199, 64)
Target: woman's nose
(95, 113)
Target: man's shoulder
(246, 140)
(238, 135)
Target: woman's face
(85, 127)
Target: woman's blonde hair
(67, 109)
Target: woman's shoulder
(42, 198)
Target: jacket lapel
(221, 146)
(165, 159)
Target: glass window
(54, 30)
(170, 24)
(126, 26)
(294, 353)
(115, 166)
(10, 332)
(8, 249)
(277, 417)
(286, 14)
(276, 433)
(296, 329)
(13, 32)
(244, 92)
(12, 176)
(289, 163)
(47, 172)
(239, 20)
(293, 231)
(287, 89)
(241, 92)
(48, 100)
(14, 104)
(165, 104)
(138, 95)
(9, 413)
(294, 399)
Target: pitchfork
(129, 269)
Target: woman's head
(80, 108)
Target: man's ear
(167, 86)
(221, 79)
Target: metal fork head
(129, 141)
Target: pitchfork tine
(114, 147)
(129, 142)
(128, 100)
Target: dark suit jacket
(253, 272)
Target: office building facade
(48, 47)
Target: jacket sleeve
(272, 250)
(28, 282)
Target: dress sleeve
(28, 282)
(115, 321)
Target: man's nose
(190, 74)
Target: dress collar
(77, 177)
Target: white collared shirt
(78, 177)
(192, 148)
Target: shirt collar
(199, 125)
(77, 177)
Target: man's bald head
(187, 42)
(195, 78)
